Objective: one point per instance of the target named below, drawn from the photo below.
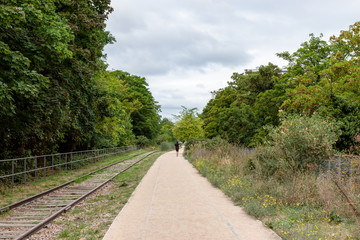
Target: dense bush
(192, 142)
(166, 146)
(299, 143)
(300, 205)
(143, 141)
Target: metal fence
(17, 170)
(344, 166)
(341, 165)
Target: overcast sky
(188, 48)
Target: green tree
(310, 59)
(77, 75)
(215, 110)
(113, 123)
(145, 110)
(330, 85)
(232, 113)
(188, 126)
(166, 133)
(33, 40)
(50, 52)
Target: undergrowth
(10, 195)
(296, 201)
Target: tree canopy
(55, 92)
(231, 113)
(188, 126)
(322, 77)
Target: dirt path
(174, 201)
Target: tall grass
(296, 197)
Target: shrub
(190, 143)
(166, 146)
(300, 143)
(143, 141)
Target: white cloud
(188, 48)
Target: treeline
(55, 92)
(322, 78)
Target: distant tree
(329, 82)
(113, 121)
(145, 110)
(188, 126)
(215, 110)
(166, 133)
(232, 112)
(322, 77)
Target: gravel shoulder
(173, 201)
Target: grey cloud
(154, 43)
(170, 42)
(160, 53)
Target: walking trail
(173, 201)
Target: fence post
(52, 165)
(25, 171)
(44, 166)
(59, 162)
(76, 160)
(12, 172)
(35, 167)
(76, 164)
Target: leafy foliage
(144, 109)
(55, 94)
(34, 41)
(232, 115)
(321, 78)
(166, 133)
(166, 146)
(113, 123)
(329, 86)
(188, 126)
(299, 143)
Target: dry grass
(92, 218)
(297, 205)
(10, 195)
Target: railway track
(28, 216)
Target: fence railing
(341, 165)
(17, 170)
(344, 166)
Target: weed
(300, 205)
(64, 234)
(92, 219)
(9, 195)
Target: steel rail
(40, 225)
(29, 199)
(58, 154)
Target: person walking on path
(177, 148)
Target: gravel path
(173, 201)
